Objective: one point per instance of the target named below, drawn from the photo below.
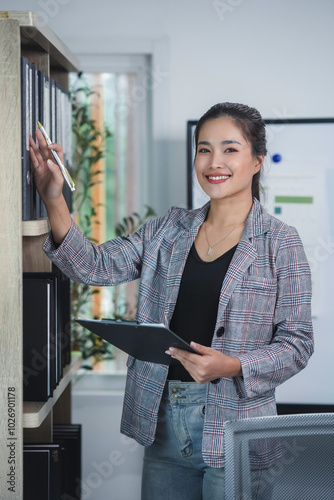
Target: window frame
(120, 54)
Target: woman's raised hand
(49, 182)
(48, 177)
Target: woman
(229, 278)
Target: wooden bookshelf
(20, 244)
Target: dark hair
(250, 123)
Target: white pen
(63, 169)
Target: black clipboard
(144, 341)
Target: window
(120, 104)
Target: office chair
(304, 466)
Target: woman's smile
(217, 179)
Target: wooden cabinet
(21, 247)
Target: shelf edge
(35, 227)
(35, 412)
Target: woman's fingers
(36, 157)
(43, 153)
(43, 145)
(58, 148)
(46, 150)
(34, 160)
(32, 144)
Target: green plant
(89, 149)
(121, 309)
(131, 223)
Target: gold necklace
(228, 234)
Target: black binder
(64, 310)
(66, 322)
(34, 118)
(69, 437)
(42, 467)
(42, 119)
(39, 338)
(144, 341)
(27, 175)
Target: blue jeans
(173, 466)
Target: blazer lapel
(245, 254)
(186, 231)
(243, 257)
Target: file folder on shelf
(42, 466)
(39, 338)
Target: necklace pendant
(209, 250)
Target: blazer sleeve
(292, 342)
(114, 262)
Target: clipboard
(144, 341)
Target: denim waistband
(177, 392)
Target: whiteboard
(298, 188)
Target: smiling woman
(230, 279)
(229, 155)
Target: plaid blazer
(264, 314)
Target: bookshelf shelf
(35, 227)
(35, 412)
(36, 34)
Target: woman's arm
(111, 263)
(292, 342)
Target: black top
(195, 313)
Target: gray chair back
(304, 468)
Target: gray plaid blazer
(264, 314)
